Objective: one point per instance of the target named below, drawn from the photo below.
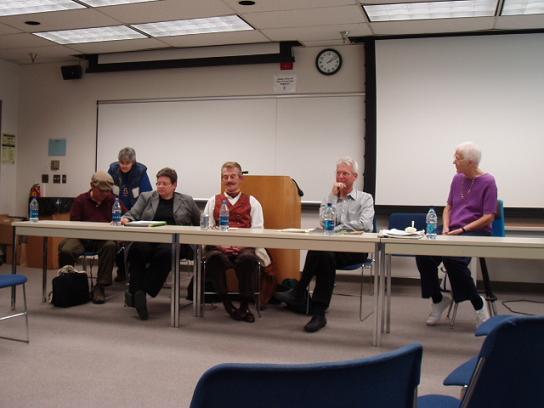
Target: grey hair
(470, 151)
(127, 154)
(349, 162)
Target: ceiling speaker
(71, 72)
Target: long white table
(268, 238)
(446, 245)
(100, 231)
(195, 236)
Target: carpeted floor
(103, 356)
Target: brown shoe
(98, 296)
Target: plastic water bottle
(224, 216)
(34, 210)
(116, 212)
(329, 219)
(432, 221)
(204, 221)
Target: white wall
(54, 108)
(9, 95)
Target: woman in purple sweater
(470, 210)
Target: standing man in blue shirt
(354, 212)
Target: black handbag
(70, 288)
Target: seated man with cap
(95, 206)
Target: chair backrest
(498, 223)
(403, 220)
(385, 380)
(509, 369)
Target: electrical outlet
(64, 179)
(56, 178)
(45, 178)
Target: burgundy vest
(239, 214)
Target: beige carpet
(103, 356)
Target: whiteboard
(297, 136)
(435, 93)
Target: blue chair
(461, 375)
(507, 372)
(12, 281)
(385, 380)
(367, 264)
(498, 230)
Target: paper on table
(396, 233)
(145, 223)
(299, 230)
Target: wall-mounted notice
(57, 147)
(8, 149)
(285, 83)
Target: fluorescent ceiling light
(194, 26)
(101, 3)
(14, 7)
(515, 7)
(87, 35)
(430, 10)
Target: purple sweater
(470, 199)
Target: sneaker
(291, 298)
(141, 305)
(98, 296)
(317, 322)
(483, 314)
(437, 310)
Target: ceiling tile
(317, 33)
(307, 17)
(202, 40)
(60, 20)
(520, 22)
(277, 5)
(22, 40)
(167, 10)
(119, 46)
(433, 26)
(5, 29)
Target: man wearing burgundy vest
(244, 212)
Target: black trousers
(462, 284)
(323, 266)
(245, 264)
(149, 265)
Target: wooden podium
(280, 200)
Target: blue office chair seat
(12, 281)
(385, 380)
(507, 372)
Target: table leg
(378, 290)
(13, 265)
(388, 294)
(197, 283)
(174, 307)
(44, 269)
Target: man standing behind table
(354, 212)
(244, 212)
(95, 205)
